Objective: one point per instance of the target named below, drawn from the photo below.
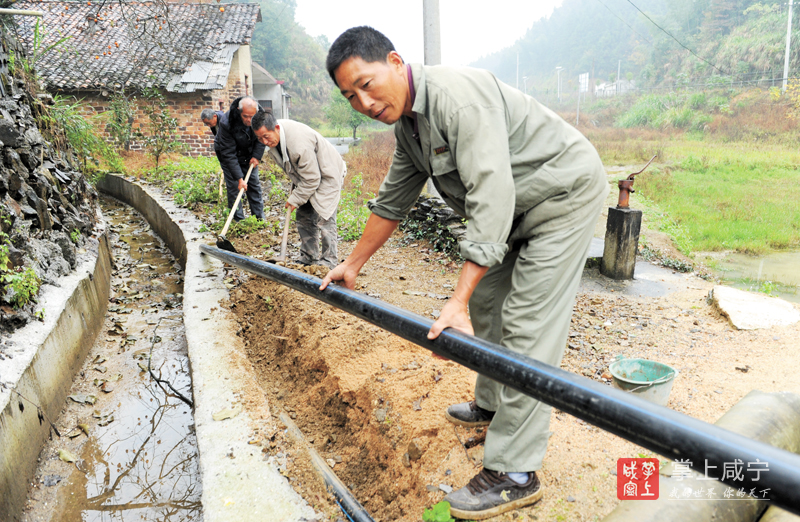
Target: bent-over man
(531, 187)
(210, 119)
(237, 148)
(317, 172)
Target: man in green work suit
(531, 187)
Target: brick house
(198, 54)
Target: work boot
(468, 414)
(491, 493)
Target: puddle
(777, 273)
(139, 460)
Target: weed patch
(352, 215)
(22, 286)
(19, 285)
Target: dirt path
(371, 402)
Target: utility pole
(558, 82)
(517, 70)
(788, 42)
(525, 83)
(433, 51)
(433, 41)
(619, 70)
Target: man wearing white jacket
(317, 172)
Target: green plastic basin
(649, 380)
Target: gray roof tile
(182, 47)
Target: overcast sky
(469, 28)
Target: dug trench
(372, 404)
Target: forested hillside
(284, 49)
(727, 37)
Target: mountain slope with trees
(283, 48)
(727, 37)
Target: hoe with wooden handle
(282, 257)
(222, 241)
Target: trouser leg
(254, 198)
(308, 230)
(534, 320)
(329, 237)
(485, 308)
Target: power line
(678, 41)
(624, 22)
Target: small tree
(340, 114)
(120, 124)
(162, 138)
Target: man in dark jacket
(237, 148)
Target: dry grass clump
(753, 119)
(618, 146)
(372, 159)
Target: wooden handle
(236, 204)
(285, 233)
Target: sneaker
(491, 493)
(468, 414)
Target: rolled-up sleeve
(479, 142)
(401, 188)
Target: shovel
(222, 241)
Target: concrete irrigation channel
(140, 449)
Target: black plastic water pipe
(657, 428)
(344, 497)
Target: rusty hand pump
(626, 186)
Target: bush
(65, 124)
(353, 213)
(24, 285)
(672, 111)
(19, 286)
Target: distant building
(198, 54)
(270, 92)
(613, 88)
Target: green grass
(679, 111)
(733, 196)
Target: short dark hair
(263, 119)
(363, 42)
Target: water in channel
(132, 438)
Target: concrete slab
(44, 359)
(750, 311)
(649, 280)
(596, 248)
(238, 483)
